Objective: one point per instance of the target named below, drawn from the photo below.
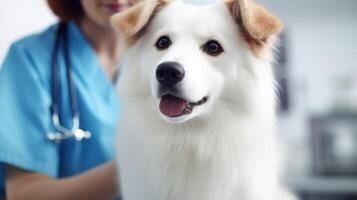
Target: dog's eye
(163, 42)
(212, 48)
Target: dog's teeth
(189, 107)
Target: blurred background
(317, 72)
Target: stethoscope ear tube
(55, 77)
(61, 131)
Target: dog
(198, 102)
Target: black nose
(170, 73)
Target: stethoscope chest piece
(77, 134)
(80, 134)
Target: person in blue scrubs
(32, 166)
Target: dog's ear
(256, 22)
(132, 21)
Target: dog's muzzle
(172, 102)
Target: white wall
(19, 18)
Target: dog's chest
(169, 170)
(189, 179)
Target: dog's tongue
(172, 106)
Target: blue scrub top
(25, 101)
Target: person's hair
(66, 9)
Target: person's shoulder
(37, 43)
(32, 53)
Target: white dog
(198, 102)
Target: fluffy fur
(225, 149)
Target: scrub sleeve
(25, 117)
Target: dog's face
(187, 60)
(189, 56)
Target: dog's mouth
(173, 106)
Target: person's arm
(99, 183)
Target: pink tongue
(172, 106)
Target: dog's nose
(170, 73)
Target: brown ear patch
(132, 23)
(257, 24)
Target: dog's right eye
(163, 43)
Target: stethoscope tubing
(61, 131)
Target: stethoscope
(61, 132)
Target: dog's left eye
(212, 48)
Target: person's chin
(105, 22)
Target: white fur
(224, 149)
